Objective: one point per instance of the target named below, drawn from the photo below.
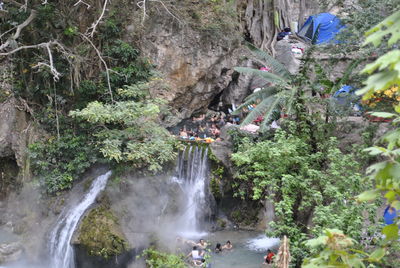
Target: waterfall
(191, 174)
(62, 255)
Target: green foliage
(388, 65)
(129, 130)
(386, 173)
(271, 98)
(59, 162)
(157, 259)
(335, 254)
(305, 184)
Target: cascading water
(62, 255)
(191, 174)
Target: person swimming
(228, 245)
(218, 248)
(202, 244)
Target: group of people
(206, 129)
(199, 249)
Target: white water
(62, 255)
(191, 176)
(262, 243)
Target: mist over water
(61, 251)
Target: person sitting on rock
(183, 134)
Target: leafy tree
(384, 73)
(311, 189)
(128, 130)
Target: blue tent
(321, 28)
(390, 215)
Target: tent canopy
(321, 28)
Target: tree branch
(142, 5)
(19, 29)
(104, 63)
(50, 65)
(82, 2)
(94, 25)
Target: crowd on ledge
(207, 129)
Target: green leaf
(390, 196)
(269, 77)
(391, 232)
(396, 205)
(383, 114)
(375, 150)
(368, 195)
(378, 254)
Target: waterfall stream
(191, 174)
(62, 255)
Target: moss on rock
(100, 234)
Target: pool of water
(248, 249)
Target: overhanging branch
(19, 29)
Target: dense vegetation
(89, 91)
(92, 112)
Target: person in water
(228, 245)
(202, 244)
(268, 258)
(195, 254)
(202, 263)
(218, 248)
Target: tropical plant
(280, 92)
(339, 251)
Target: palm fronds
(269, 61)
(264, 107)
(273, 98)
(254, 97)
(269, 77)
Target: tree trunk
(264, 19)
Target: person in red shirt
(268, 258)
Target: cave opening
(8, 175)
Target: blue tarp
(389, 215)
(321, 28)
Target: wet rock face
(17, 131)
(196, 65)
